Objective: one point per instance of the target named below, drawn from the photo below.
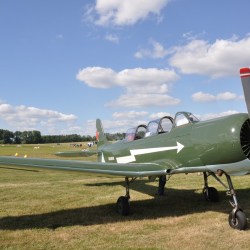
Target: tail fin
(245, 79)
(100, 136)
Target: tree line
(34, 137)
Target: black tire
(240, 220)
(211, 194)
(122, 206)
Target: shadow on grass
(142, 186)
(20, 169)
(174, 203)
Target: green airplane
(167, 146)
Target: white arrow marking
(133, 152)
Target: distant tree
(31, 137)
(8, 137)
(36, 137)
(1, 135)
(18, 137)
(26, 137)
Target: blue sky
(65, 63)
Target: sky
(65, 63)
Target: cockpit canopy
(159, 126)
(182, 118)
(165, 124)
(136, 133)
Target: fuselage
(217, 141)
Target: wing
(127, 170)
(122, 169)
(82, 153)
(236, 168)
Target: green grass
(62, 210)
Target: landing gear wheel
(122, 205)
(237, 220)
(211, 194)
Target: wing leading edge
(128, 170)
(122, 169)
(82, 153)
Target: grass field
(62, 210)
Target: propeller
(245, 79)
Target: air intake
(245, 138)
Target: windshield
(193, 118)
(130, 134)
(182, 118)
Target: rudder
(100, 136)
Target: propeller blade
(245, 79)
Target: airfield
(48, 209)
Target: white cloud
(228, 96)
(72, 130)
(144, 87)
(151, 80)
(206, 97)
(221, 58)
(209, 116)
(143, 100)
(159, 115)
(123, 12)
(130, 114)
(97, 77)
(190, 36)
(112, 38)
(30, 118)
(137, 79)
(114, 125)
(120, 122)
(158, 51)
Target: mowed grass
(65, 210)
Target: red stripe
(245, 70)
(97, 135)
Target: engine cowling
(245, 138)
(223, 140)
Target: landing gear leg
(237, 218)
(210, 193)
(162, 183)
(122, 205)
